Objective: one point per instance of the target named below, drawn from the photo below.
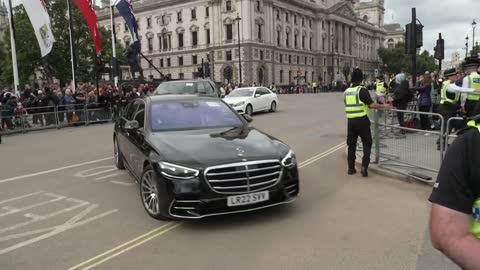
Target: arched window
(390, 43)
(228, 74)
(365, 18)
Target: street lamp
(466, 44)
(238, 19)
(474, 24)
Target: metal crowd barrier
(407, 150)
(40, 118)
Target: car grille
(244, 177)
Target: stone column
(347, 39)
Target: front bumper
(194, 199)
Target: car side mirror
(257, 95)
(131, 125)
(247, 118)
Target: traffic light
(411, 45)
(207, 70)
(200, 72)
(440, 49)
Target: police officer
(381, 89)
(449, 98)
(357, 102)
(472, 80)
(455, 214)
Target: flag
(91, 18)
(125, 9)
(38, 15)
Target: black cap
(450, 72)
(472, 62)
(357, 75)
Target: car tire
(249, 110)
(273, 107)
(117, 155)
(149, 193)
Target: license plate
(247, 199)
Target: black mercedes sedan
(195, 157)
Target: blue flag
(125, 9)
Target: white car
(252, 99)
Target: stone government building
(282, 41)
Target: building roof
(393, 27)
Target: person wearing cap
(450, 97)
(357, 103)
(470, 102)
(455, 213)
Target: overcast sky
(453, 18)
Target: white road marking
(95, 171)
(16, 210)
(109, 176)
(121, 183)
(20, 177)
(20, 197)
(321, 156)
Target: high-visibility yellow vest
(354, 107)
(381, 87)
(444, 94)
(474, 80)
(475, 221)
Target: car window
(129, 110)
(175, 88)
(192, 114)
(140, 113)
(209, 87)
(264, 91)
(201, 88)
(242, 92)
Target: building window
(150, 44)
(303, 21)
(287, 40)
(261, 55)
(303, 42)
(289, 76)
(311, 43)
(259, 33)
(295, 41)
(180, 40)
(194, 38)
(298, 60)
(208, 36)
(164, 21)
(180, 61)
(165, 42)
(295, 19)
(229, 55)
(149, 22)
(289, 59)
(161, 62)
(281, 58)
(181, 76)
(365, 18)
(258, 5)
(194, 14)
(281, 76)
(150, 65)
(286, 16)
(279, 42)
(305, 60)
(179, 16)
(228, 5)
(313, 62)
(194, 59)
(278, 14)
(310, 23)
(229, 28)
(169, 62)
(390, 43)
(324, 61)
(207, 12)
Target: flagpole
(114, 47)
(72, 54)
(14, 48)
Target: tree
(57, 64)
(397, 61)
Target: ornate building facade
(394, 33)
(281, 41)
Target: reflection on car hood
(234, 100)
(202, 148)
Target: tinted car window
(192, 114)
(263, 91)
(129, 111)
(184, 88)
(140, 113)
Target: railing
(55, 117)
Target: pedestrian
(470, 103)
(455, 213)
(401, 97)
(424, 88)
(381, 89)
(40, 107)
(68, 103)
(357, 101)
(449, 99)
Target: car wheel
(149, 192)
(249, 110)
(273, 107)
(117, 155)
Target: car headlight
(290, 160)
(239, 104)
(177, 172)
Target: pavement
(64, 206)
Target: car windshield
(175, 88)
(245, 92)
(192, 114)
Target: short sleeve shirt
(458, 183)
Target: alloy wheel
(150, 193)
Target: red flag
(91, 18)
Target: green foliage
(57, 64)
(397, 61)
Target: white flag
(37, 12)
